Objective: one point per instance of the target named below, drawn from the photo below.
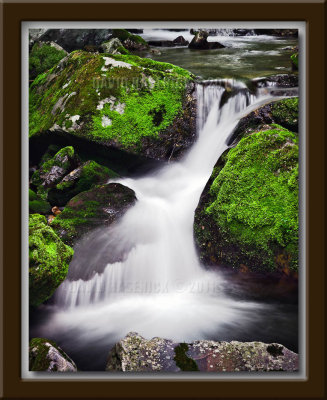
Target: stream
(160, 288)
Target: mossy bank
(123, 101)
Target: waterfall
(158, 287)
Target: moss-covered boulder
(134, 353)
(49, 258)
(44, 56)
(282, 112)
(125, 102)
(100, 206)
(248, 212)
(53, 169)
(79, 180)
(46, 355)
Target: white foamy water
(159, 288)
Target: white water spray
(160, 288)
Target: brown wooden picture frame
(314, 14)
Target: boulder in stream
(200, 42)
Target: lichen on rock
(134, 353)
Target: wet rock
(280, 81)
(200, 42)
(283, 112)
(161, 43)
(100, 206)
(46, 355)
(180, 41)
(136, 354)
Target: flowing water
(158, 287)
(244, 57)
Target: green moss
(49, 258)
(42, 58)
(123, 34)
(295, 60)
(255, 195)
(122, 50)
(38, 354)
(39, 206)
(182, 360)
(88, 210)
(286, 113)
(147, 87)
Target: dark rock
(161, 43)
(135, 30)
(76, 39)
(46, 355)
(277, 32)
(162, 89)
(280, 81)
(136, 354)
(180, 41)
(100, 206)
(79, 180)
(281, 112)
(200, 42)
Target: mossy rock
(53, 169)
(46, 355)
(121, 101)
(79, 180)
(49, 258)
(102, 205)
(44, 56)
(282, 112)
(37, 205)
(248, 214)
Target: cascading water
(158, 288)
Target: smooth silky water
(144, 273)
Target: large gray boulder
(136, 354)
(46, 355)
